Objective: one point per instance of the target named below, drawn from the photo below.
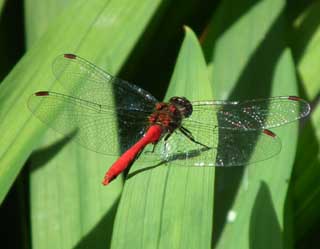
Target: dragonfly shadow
(187, 155)
(42, 156)
(138, 171)
(171, 159)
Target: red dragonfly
(105, 111)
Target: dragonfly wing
(226, 148)
(247, 115)
(92, 125)
(87, 81)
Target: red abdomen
(151, 136)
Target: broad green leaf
(305, 185)
(69, 203)
(245, 45)
(166, 206)
(45, 178)
(306, 49)
(40, 200)
(39, 15)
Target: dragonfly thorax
(170, 115)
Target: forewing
(87, 81)
(247, 115)
(92, 125)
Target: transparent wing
(227, 148)
(94, 126)
(247, 115)
(234, 130)
(87, 81)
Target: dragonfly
(108, 115)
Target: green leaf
(2, 3)
(305, 185)
(166, 206)
(304, 40)
(39, 15)
(247, 53)
(69, 205)
(306, 49)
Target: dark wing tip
(305, 106)
(42, 93)
(269, 133)
(295, 98)
(70, 56)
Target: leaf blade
(249, 59)
(157, 204)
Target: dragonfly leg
(189, 135)
(167, 136)
(138, 155)
(166, 139)
(186, 130)
(154, 146)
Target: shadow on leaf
(265, 231)
(254, 82)
(100, 235)
(42, 156)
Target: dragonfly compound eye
(183, 105)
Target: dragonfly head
(183, 105)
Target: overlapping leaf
(164, 206)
